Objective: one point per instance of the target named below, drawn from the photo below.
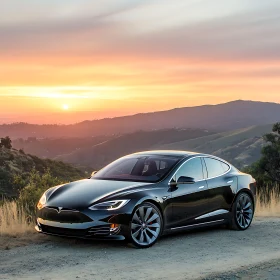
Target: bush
(6, 142)
(36, 186)
(267, 170)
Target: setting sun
(65, 106)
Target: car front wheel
(145, 226)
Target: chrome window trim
(204, 156)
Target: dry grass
(15, 227)
(13, 220)
(270, 207)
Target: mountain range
(222, 117)
(241, 147)
(232, 131)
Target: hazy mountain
(101, 154)
(53, 147)
(241, 147)
(228, 116)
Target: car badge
(59, 209)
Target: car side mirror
(185, 180)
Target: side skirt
(196, 226)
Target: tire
(145, 226)
(242, 212)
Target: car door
(221, 187)
(189, 200)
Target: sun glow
(65, 106)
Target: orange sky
(123, 57)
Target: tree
(267, 169)
(6, 142)
(270, 160)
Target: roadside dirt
(269, 270)
(19, 240)
(209, 254)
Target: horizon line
(140, 113)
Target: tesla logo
(59, 209)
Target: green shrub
(267, 169)
(36, 186)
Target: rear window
(215, 167)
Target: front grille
(99, 231)
(63, 231)
(63, 216)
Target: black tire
(242, 212)
(145, 227)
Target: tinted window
(215, 167)
(138, 168)
(192, 168)
(224, 166)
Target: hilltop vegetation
(15, 169)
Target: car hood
(83, 193)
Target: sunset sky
(65, 61)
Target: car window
(225, 166)
(138, 168)
(215, 167)
(192, 168)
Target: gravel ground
(265, 271)
(206, 254)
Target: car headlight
(109, 205)
(42, 201)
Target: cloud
(251, 34)
(146, 47)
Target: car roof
(167, 153)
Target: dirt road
(268, 270)
(213, 253)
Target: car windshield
(138, 168)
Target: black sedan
(145, 195)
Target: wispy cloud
(144, 50)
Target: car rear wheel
(145, 226)
(243, 212)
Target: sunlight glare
(65, 106)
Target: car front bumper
(67, 231)
(82, 224)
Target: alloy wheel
(145, 225)
(244, 211)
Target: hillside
(12, 163)
(101, 154)
(53, 147)
(241, 147)
(221, 117)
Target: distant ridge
(222, 117)
(240, 147)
